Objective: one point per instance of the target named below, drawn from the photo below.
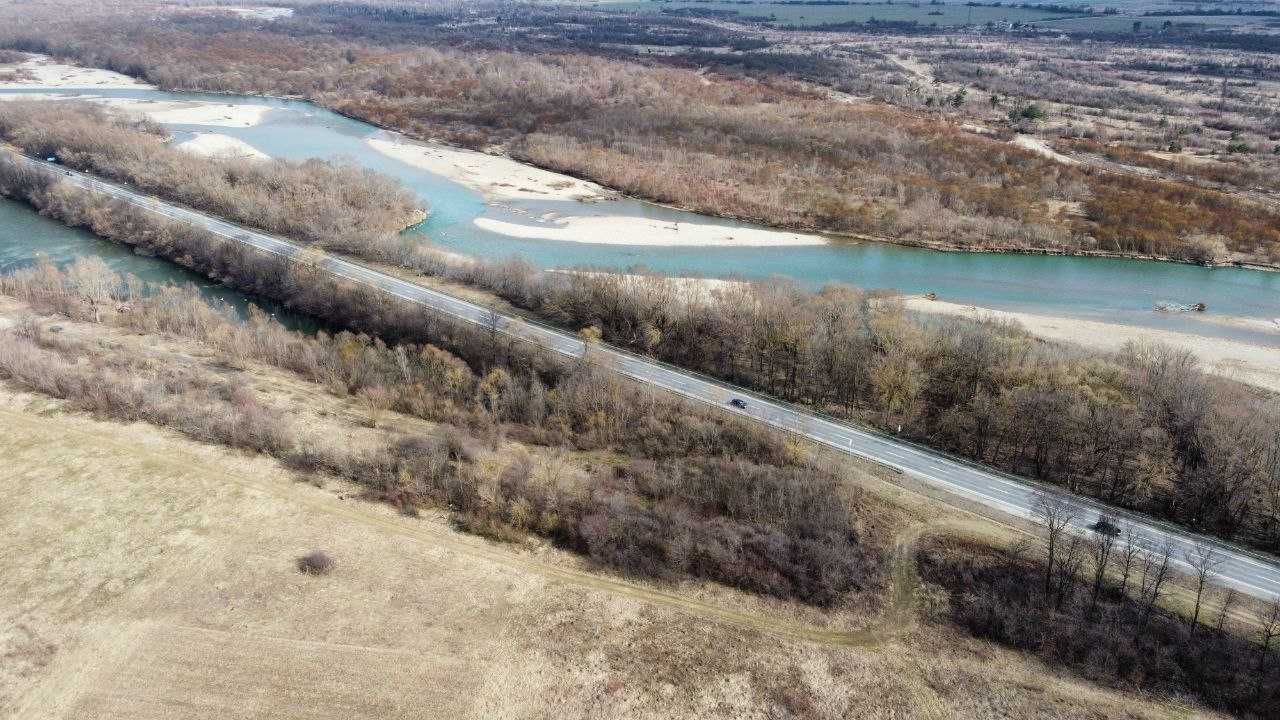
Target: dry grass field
(149, 576)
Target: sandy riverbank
(497, 177)
(221, 146)
(45, 73)
(1254, 324)
(166, 112)
(500, 179)
(1252, 364)
(628, 230)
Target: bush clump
(316, 562)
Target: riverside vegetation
(176, 360)
(681, 491)
(745, 142)
(1094, 607)
(313, 201)
(694, 492)
(697, 493)
(1144, 429)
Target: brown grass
(316, 562)
(186, 608)
(152, 577)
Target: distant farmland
(1124, 23)
(781, 13)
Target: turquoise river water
(1121, 291)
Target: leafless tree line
(1144, 429)
(702, 495)
(1102, 603)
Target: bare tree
(1269, 629)
(95, 283)
(1229, 598)
(402, 364)
(591, 337)
(1204, 560)
(1069, 570)
(1157, 568)
(1101, 548)
(491, 321)
(1130, 553)
(1268, 619)
(1056, 515)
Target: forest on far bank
(750, 144)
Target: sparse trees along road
(1251, 573)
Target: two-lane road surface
(1253, 573)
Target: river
(1111, 290)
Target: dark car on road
(1106, 526)
(739, 403)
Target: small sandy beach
(213, 114)
(1252, 364)
(42, 73)
(627, 230)
(221, 146)
(497, 177)
(45, 73)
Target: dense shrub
(1144, 428)
(999, 597)
(708, 496)
(316, 562)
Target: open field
(176, 597)
(517, 534)
(154, 578)
(1124, 23)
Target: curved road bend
(1249, 572)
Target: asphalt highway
(1252, 573)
